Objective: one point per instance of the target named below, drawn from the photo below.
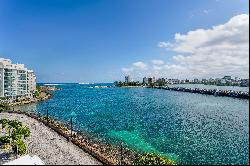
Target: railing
(102, 151)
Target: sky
(103, 40)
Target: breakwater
(215, 92)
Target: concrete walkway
(52, 148)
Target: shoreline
(43, 95)
(51, 147)
(102, 151)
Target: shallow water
(189, 128)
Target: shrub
(152, 159)
(21, 146)
(18, 130)
(3, 107)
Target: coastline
(51, 147)
(42, 93)
(102, 152)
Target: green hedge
(152, 159)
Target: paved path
(52, 148)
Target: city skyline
(230, 80)
(96, 41)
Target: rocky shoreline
(43, 93)
(51, 147)
(102, 151)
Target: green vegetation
(16, 131)
(3, 107)
(120, 84)
(137, 83)
(152, 159)
(37, 93)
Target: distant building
(150, 80)
(160, 80)
(204, 80)
(227, 77)
(223, 81)
(31, 81)
(244, 82)
(16, 80)
(145, 80)
(196, 80)
(183, 81)
(237, 79)
(127, 79)
(174, 81)
(153, 79)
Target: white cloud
(205, 11)
(134, 68)
(223, 49)
(127, 70)
(204, 53)
(158, 62)
(140, 65)
(165, 45)
(157, 67)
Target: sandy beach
(52, 148)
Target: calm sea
(188, 128)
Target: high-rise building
(153, 80)
(31, 80)
(16, 80)
(227, 77)
(196, 80)
(127, 79)
(145, 80)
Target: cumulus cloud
(140, 65)
(204, 53)
(135, 67)
(165, 45)
(127, 70)
(223, 49)
(158, 62)
(205, 11)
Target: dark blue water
(189, 128)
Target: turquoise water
(189, 128)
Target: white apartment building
(16, 80)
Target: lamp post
(47, 116)
(71, 126)
(71, 122)
(121, 159)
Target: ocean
(186, 127)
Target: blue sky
(92, 40)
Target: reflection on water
(190, 128)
